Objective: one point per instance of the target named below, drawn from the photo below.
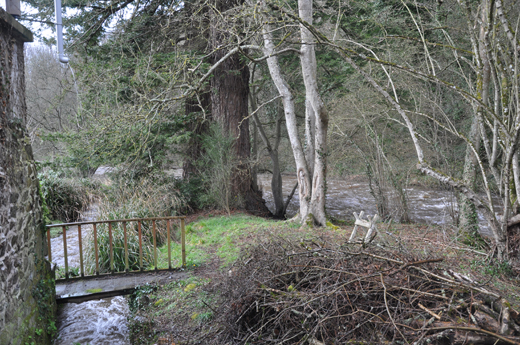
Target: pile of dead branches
(314, 293)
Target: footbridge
(100, 259)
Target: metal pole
(154, 245)
(140, 246)
(59, 31)
(96, 249)
(80, 252)
(111, 247)
(169, 246)
(126, 247)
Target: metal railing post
(80, 251)
(154, 245)
(96, 249)
(140, 246)
(64, 229)
(126, 247)
(111, 247)
(169, 245)
(183, 243)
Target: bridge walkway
(114, 235)
(81, 290)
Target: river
(345, 196)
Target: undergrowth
(245, 277)
(153, 196)
(65, 198)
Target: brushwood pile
(311, 292)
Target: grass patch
(56, 232)
(222, 236)
(184, 301)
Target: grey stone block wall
(27, 303)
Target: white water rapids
(101, 322)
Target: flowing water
(345, 196)
(101, 322)
(73, 240)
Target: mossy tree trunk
(229, 107)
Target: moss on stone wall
(39, 326)
(27, 291)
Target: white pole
(59, 32)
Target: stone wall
(27, 304)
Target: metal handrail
(124, 222)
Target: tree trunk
(468, 212)
(198, 127)
(311, 163)
(303, 176)
(276, 180)
(316, 114)
(229, 107)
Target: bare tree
(494, 46)
(311, 162)
(51, 99)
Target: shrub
(65, 198)
(153, 196)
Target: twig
(453, 282)
(388, 310)
(478, 330)
(417, 263)
(429, 311)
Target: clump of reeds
(146, 198)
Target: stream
(105, 321)
(99, 322)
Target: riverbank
(190, 311)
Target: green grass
(185, 301)
(56, 232)
(220, 235)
